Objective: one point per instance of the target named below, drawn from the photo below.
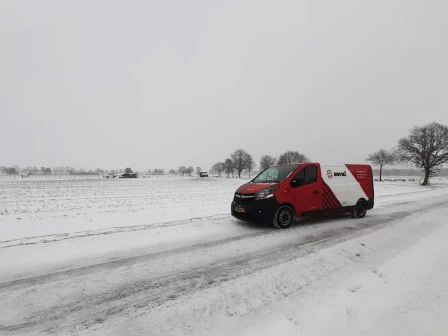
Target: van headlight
(266, 193)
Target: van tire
(360, 209)
(284, 217)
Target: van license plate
(238, 209)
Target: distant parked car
(128, 175)
(203, 174)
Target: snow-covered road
(385, 274)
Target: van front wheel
(284, 217)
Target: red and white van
(279, 194)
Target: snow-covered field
(51, 206)
(162, 256)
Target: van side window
(300, 175)
(306, 176)
(310, 174)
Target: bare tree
(218, 168)
(172, 172)
(267, 161)
(381, 158)
(58, 170)
(292, 157)
(426, 147)
(11, 170)
(250, 163)
(239, 159)
(45, 170)
(99, 171)
(128, 171)
(190, 170)
(182, 170)
(228, 167)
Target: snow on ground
(49, 206)
(89, 220)
(56, 224)
(396, 286)
(39, 207)
(179, 264)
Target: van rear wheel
(360, 209)
(284, 217)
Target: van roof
(289, 164)
(321, 164)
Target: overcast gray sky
(159, 84)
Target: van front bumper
(262, 211)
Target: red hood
(253, 188)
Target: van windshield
(275, 174)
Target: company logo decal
(330, 173)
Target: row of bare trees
(30, 171)
(157, 171)
(288, 157)
(16, 170)
(9, 170)
(240, 160)
(185, 170)
(426, 147)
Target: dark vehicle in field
(128, 175)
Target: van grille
(243, 199)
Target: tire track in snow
(119, 229)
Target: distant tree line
(426, 148)
(45, 171)
(30, 171)
(156, 171)
(183, 171)
(410, 171)
(9, 170)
